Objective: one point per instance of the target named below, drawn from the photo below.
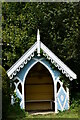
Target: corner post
(23, 95)
(38, 42)
(12, 97)
(55, 92)
(67, 89)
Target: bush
(5, 93)
(16, 99)
(75, 102)
(15, 111)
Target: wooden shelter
(36, 83)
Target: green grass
(17, 114)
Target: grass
(15, 113)
(18, 114)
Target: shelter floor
(41, 112)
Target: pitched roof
(46, 52)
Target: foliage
(57, 22)
(65, 81)
(75, 102)
(15, 112)
(59, 28)
(5, 92)
(16, 99)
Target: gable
(47, 53)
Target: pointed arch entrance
(39, 89)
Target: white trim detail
(38, 42)
(55, 95)
(61, 87)
(58, 63)
(62, 107)
(23, 60)
(17, 90)
(17, 79)
(67, 89)
(23, 95)
(47, 53)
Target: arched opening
(39, 89)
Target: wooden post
(23, 95)
(12, 97)
(67, 89)
(55, 92)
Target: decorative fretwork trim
(21, 66)
(22, 61)
(57, 65)
(46, 52)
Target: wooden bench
(34, 101)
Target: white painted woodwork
(58, 61)
(46, 52)
(22, 59)
(38, 42)
(67, 89)
(55, 94)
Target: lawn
(15, 113)
(22, 115)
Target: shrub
(75, 102)
(15, 111)
(5, 93)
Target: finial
(38, 42)
(38, 35)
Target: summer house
(36, 83)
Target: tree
(5, 92)
(59, 29)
